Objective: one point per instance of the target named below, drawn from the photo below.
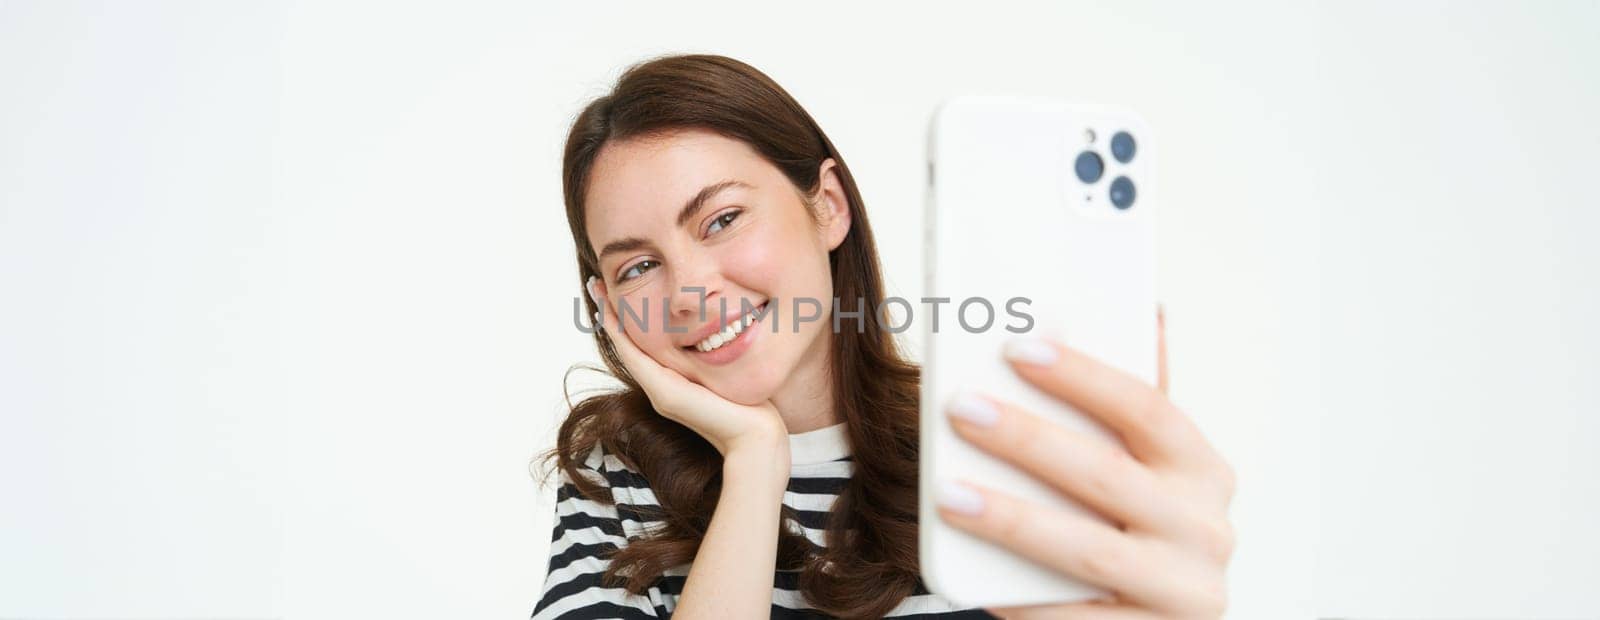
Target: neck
(805, 400)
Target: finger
(1154, 430)
(1161, 348)
(644, 368)
(1097, 473)
(1086, 610)
(1067, 542)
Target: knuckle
(1105, 563)
(1230, 539)
(1221, 540)
(1151, 406)
(1225, 479)
(1207, 536)
(1214, 599)
(664, 404)
(1007, 524)
(1106, 477)
(1154, 412)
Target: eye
(639, 267)
(723, 221)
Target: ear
(834, 206)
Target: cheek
(775, 262)
(643, 323)
(757, 263)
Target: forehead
(638, 184)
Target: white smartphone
(1044, 209)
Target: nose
(696, 280)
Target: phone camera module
(1089, 167)
(1123, 146)
(1122, 193)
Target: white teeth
(728, 333)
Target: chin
(743, 392)
(752, 387)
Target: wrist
(761, 457)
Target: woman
(755, 463)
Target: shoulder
(627, 499)
(607, 469)
(601, 467)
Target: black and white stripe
(585, 529)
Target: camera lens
(1122, 146)
(1122, 193)
(1089, 167)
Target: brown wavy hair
(871, 533)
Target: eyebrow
(685, 214)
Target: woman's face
(697, 220)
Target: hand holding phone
(1166, 547)
(1089, 483)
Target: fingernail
(974, 409)
(959, 498)
(1030, 351)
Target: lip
(732, 350)
(713, 327)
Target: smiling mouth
(729, 333)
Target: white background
(285, 290)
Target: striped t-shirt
(583, 529)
